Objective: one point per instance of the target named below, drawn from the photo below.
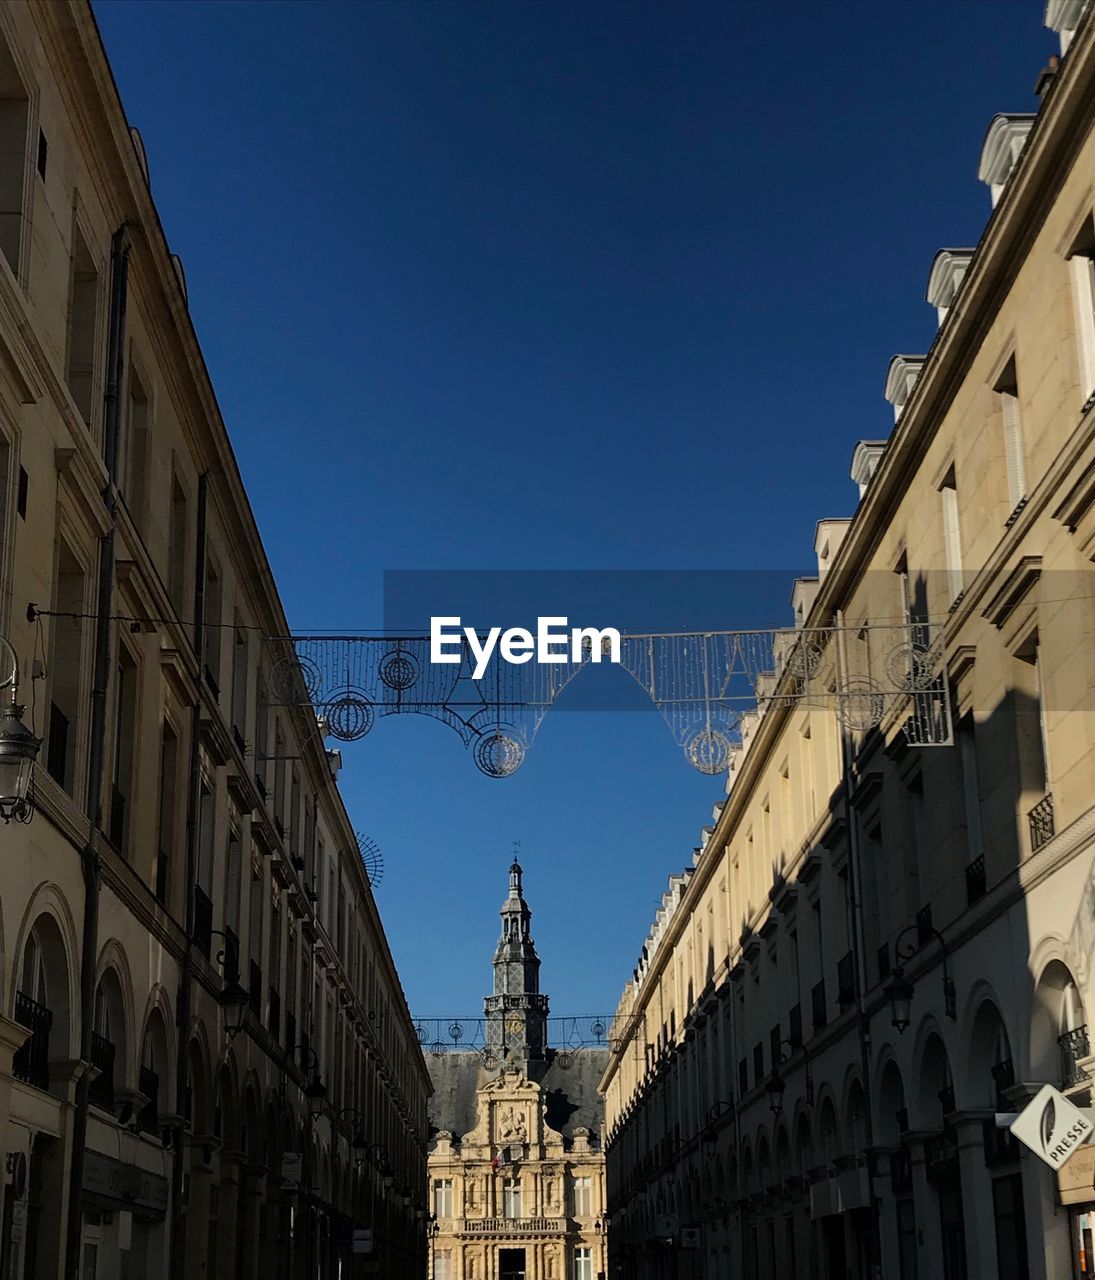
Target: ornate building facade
(207, 1067)
(885, 939)
(516, 1166)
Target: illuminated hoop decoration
(860, 704)
(371, 858)
(911, 667)
(490, 1059)
(399, 670)
(564, 1060)
(708, 750)
(295, 681)
(498, 754)
(349, 716)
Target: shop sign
(1076, 1181)
(292, 1169)
(126, 1185)
(1052, 1127)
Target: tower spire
(516, 1011)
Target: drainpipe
(855, 916)
(90, 855)
(193, 833)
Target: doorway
(511, 1264)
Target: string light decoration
(709, 686)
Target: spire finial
(515, 870)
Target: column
(12, 1037)
(977, 1208)
(250, 1221)
(232, 1174)
(926, 1203)
(197, 1210)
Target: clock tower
(516, 1011)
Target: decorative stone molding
(1001, 149)
(901, 377)
(949, 266)
(1064, 17)
(865, 461)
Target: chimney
(1047, 75)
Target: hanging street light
(234, 1002)
(18, 751)
(899, 992)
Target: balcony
(818, 1010)
(1074, 1046)
(101, 1089)
(1042, 826)
(514, 1226)
(975, 881)
(31, 1062)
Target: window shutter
(1013, 448)
(952, 544)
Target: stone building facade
(516, 1166)
(188, 840)
(881, 945)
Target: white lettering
(548, 641)
(482, 652)
(595, 642)
(517, 645)
(439, 639)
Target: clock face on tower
(515, 1026)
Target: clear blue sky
(554, 286)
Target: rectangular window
(1007, 389)
(581, 1197)
(239, 682)
(83, 315)
(169, 781)
(233, 881)
(212, 630)
(125, 734)
(206, 820)
(177, 549)
(66, 671)
(14, 128)
(952, 540)
(279, 778)
(511, 1198)
(442, 1198)
(442, 1265)
(254, 923)
(971, 789)
(583, 1264)
(1081, 265)
(294, 818)
(134, 470)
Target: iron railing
(31, 1062)
(101, 1089)
(1042, 826)
(441, 1035)
(1074, 1045)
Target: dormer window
(1000, 153)
(865, 462)
(948, 270)
(900, 379)
(1064, 16)
(827, 540)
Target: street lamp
(315, 1091)
(233, 1001)
(776, 1086)
(899, 990)
(18, 751)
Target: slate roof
(570, 1092)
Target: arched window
(41, 1002)
(107, 1038)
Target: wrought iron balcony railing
(1074, 1045)
(31, 1062)
(1042, 826)
(101, 1089)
